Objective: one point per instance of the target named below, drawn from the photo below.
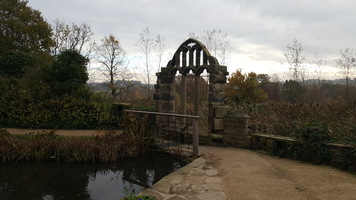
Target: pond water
(45, 181)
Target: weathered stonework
(236, 130)
(221, 111)
(193, 56)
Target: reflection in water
(44, 181)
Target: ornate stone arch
(193, 56)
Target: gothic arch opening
(191, 56)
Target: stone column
(183, 97)
(197, 94)
(216, 92)
(165, 91)
(236, 130)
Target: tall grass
(281, 118)
(47, 147)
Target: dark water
(45, 181)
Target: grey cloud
(325, 26)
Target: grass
(50, 147)
(281, 118)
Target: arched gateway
(193, 56)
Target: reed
(49, 147)
(282, 118)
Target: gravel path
(252, 175)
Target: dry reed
(41, 147)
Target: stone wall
(236, 132)
(191, 56)
(343, 156)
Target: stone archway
(193, 56)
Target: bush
(311, 144)
(66, 113)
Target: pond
(104, 181)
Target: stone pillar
(183, 97)
(236, 130)
(165, 92)
(156, 95)
(217, 80)
(219, 113)
(197, 94)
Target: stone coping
(197, 180)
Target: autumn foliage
(246, 87)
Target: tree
(111, 57)
(245, 88)
(160, 48)
(16, 64)
(72, 37)
(318, 71)
(295, 58)
(147, 45)
(25, 38)
(145, 42)
(23, 29)
(293, 91)
(346, 63)
(68, 74)
(217, 42)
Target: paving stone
(197, 162)
(197, 172)
(162, 186)
(191, 197)
(212, 180)
(175, 178)
(176, 198)
(212, 196)
(211, 172)
(185, 170)
(180, 187)
(194, 180)
(199, 188)
(215, 187)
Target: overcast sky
(259, 30)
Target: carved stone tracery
(193, 56)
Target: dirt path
(58, 132)
(252, 175)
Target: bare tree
(150, 46)
(60, 36)
(217, 42)
(318, 71)
(346, 63)
(72, 37)
(160, 48)
(145, 42)
(296, 59)
(111, 57)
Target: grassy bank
(49, 147)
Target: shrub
(311, 144)
(65, 113)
